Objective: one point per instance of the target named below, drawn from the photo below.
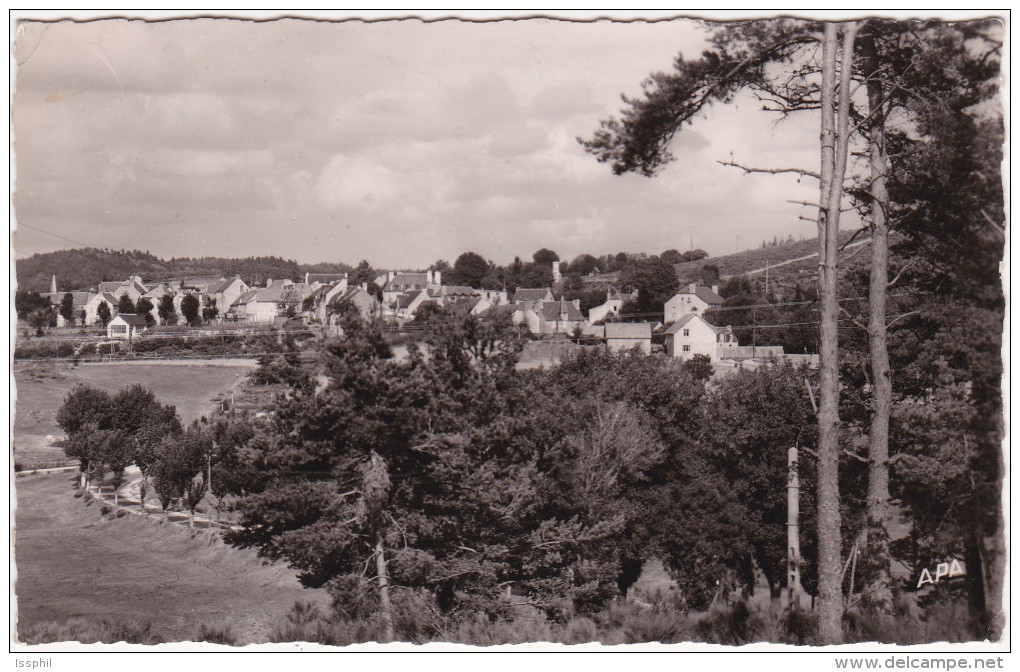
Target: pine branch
(772, 171)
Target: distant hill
(787, 262)
(81, 269)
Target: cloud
(400, 142)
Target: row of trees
(107, 433)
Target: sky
(399, 142)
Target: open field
(788, 259)
(189, 385)
(75, 563)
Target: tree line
(906, 97)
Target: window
(687, 332)
(118, 329)
(687, 348)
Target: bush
(220, 634)
(90, 632)
(947, 620)
(738, 624)
(628, 623)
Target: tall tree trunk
(834, 148)
(878, 580)
(385, 606)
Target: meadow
(85, 575)
(193, 386)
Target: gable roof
(551, 311)
(449, 290)
(679, 324)
(704, 293)
(628, 330)
(407, 299)
(533, 294)
(131, 319)
(224, 284)
(406, 279)
(111, 286)
(324, 278)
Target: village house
(396, 284)
(612, 306)
(693, 335)
(265, 305)
(367, 305)
(92, 307)
(126, 326)
(226, 292)
(560, 317)
(317, 302)
(132, 287)
(625, 336)
(79, 301)
(692, 299)
(409, 302)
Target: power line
(50, 233)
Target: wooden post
(793, 528)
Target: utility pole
(792, 529)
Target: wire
(50, 233)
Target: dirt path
(73, 562)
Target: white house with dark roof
(693, 335)
(408, 303)
(126, 326)
(367, 305)
(692, 299)
(226, 292)
(612, 306)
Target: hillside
(85, 268)
(786, 261)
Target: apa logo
(943, 569)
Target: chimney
(364, 286)
(390, 276)
(435, 277)
(53, 285)
(269, 282)
(556, 271)
(715, 288)
(306, 277)
(428, 277)
(577, 303)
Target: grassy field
(756, 259)
(191, 386)
(76, 565)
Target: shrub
(628, 623)
(219, 634)
(737, 624)
(90, 632)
